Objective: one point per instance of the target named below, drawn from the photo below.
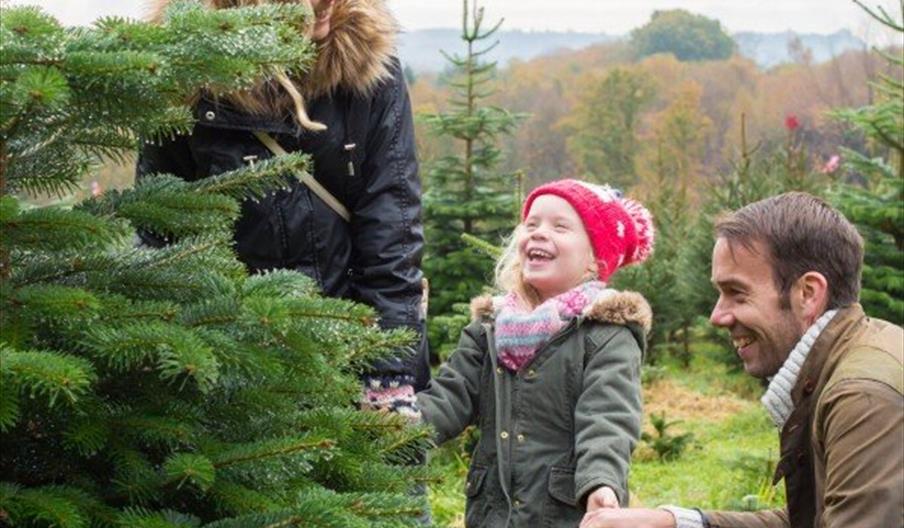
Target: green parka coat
(559, 428)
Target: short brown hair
(802, 233)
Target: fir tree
(878, 206)
(467, 194)
(165, 387)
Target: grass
(728, 465)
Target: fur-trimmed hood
(356, 55)
(358, 52)
(616, 307)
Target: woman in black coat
(352, 114)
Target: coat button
(517, 503)
(209, 115)
(808, 386)
(521, 437)
(503, 435)
(531, 373)
(498, 370)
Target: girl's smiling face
(554, 248)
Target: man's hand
(627, 518)
(602, 497)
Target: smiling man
(788, 274)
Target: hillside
(420, 49)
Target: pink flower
(96, 189)
(831, 165)
(791, 122)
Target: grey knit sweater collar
(777, 399)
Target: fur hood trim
(357, 54)
(617, 308)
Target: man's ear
(810, 296)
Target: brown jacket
(842, 448)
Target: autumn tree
(602, 127)
(688, 36)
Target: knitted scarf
(777, 399)
(520, 331)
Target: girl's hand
(602, 497)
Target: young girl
(550, 371)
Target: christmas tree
(165, 387)
(466, 193)
(877, 207)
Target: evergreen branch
(176, 351)
(325, 308)
(238, 499)
(10, 409)
(50, 171)
(212, 312)
(183, 250)
(180, 214)
(134, 476)
(118, 308)
(394, 506)
(40, 506)
(33, 269)
(271, 449)
(54, 229)
(50, 302)
(488, 49)
(50, 375)
(482, 245)
(182, 283)
(254, 182)
(882, 17)
(407, 445)
(490, 31)
(89, 431)
(189, 467)
(136, 517)
(279, 283)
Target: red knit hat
(620, 229)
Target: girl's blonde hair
(508, 276)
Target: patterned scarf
(520, 331)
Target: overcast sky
(604, 16)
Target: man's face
(763, 329)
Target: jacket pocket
(560, 508)
(481, 502)
(476, 476)
(561, 485)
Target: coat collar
(621, 307)
(825, 353)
